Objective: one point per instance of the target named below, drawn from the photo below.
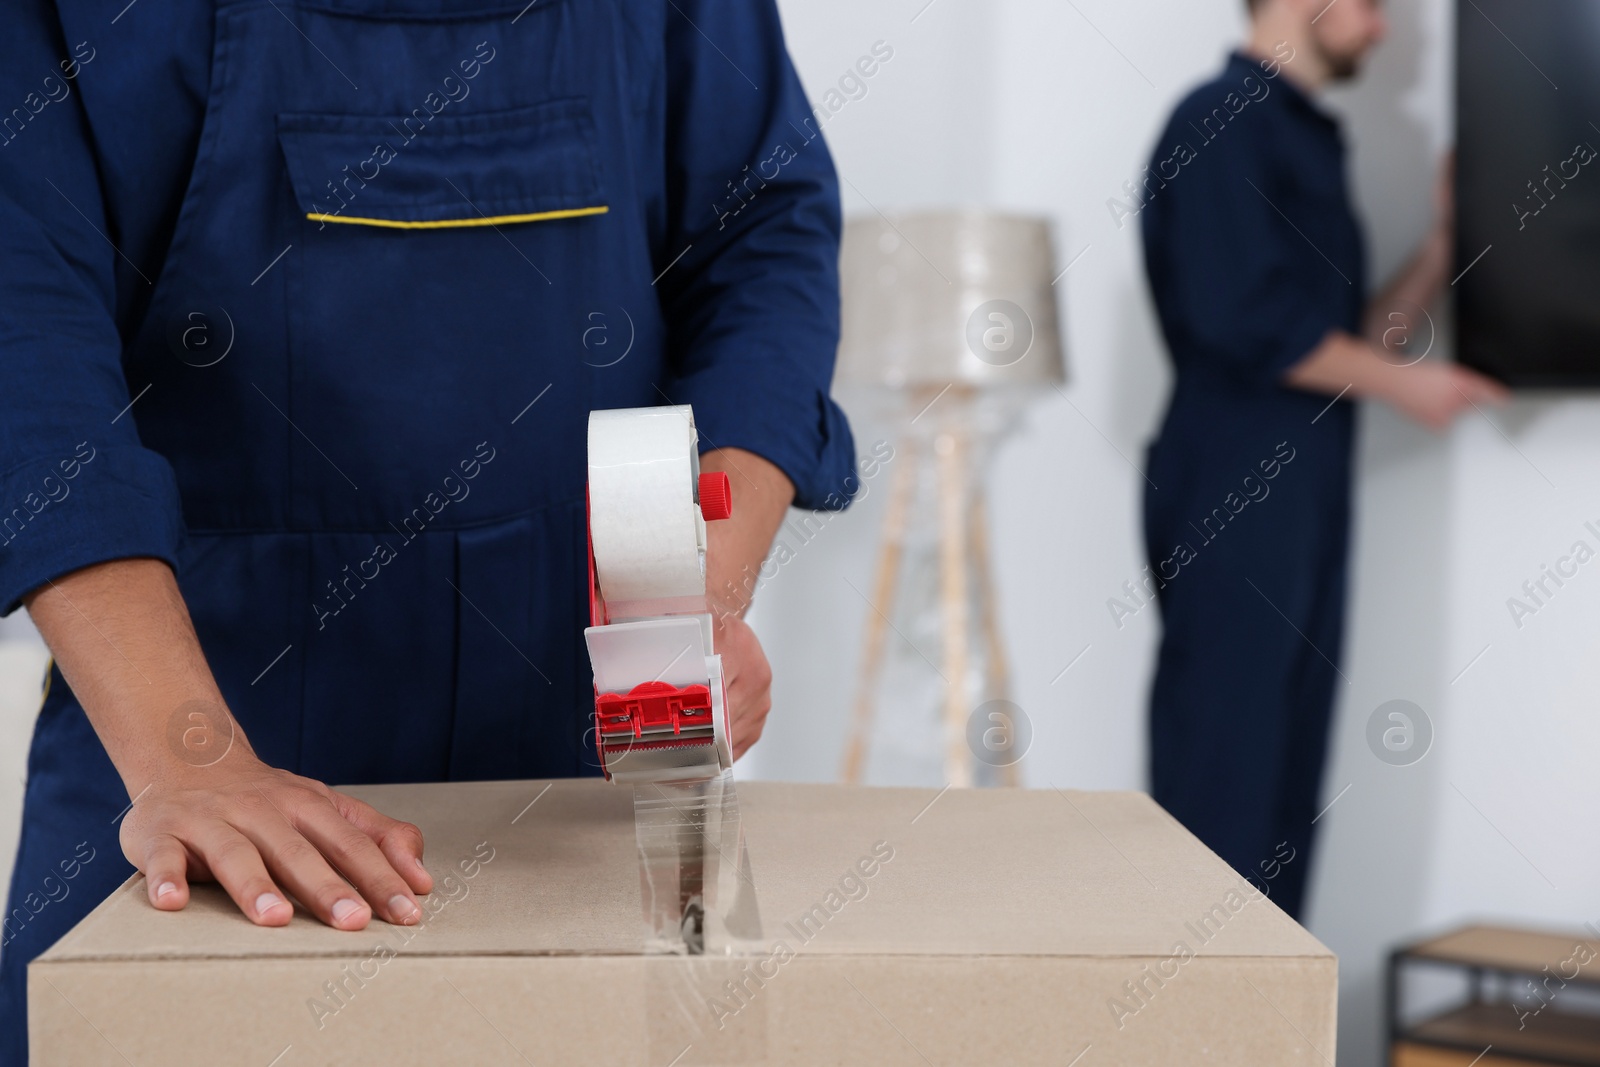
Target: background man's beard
(1341, 67)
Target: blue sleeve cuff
(1299, 341)
(785, 420)
(60, 515)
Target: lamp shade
(958, 296)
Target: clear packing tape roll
(645, 524)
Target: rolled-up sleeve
(1222, 261)
(753, 201)
(76, 485)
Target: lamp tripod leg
(853, 765)
(998, 668)
(953, 566)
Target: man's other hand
(749, 681)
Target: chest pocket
(426, 171)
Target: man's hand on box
(260, 831)
(749, 680)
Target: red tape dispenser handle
(716, 496)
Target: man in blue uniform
(305, 306)
(1256, 264)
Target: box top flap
(535, 868)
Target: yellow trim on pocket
(450, 224)
(49, 673)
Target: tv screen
(1527, 266)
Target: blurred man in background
(1255, 262)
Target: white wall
(1048, 107)
(22, 662)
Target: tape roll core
(645, 524)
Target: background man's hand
(1379, 363)
(1435, 393)
(1430, 391)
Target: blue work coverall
(1254, 256)
(312, 299)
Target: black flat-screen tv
(1527, 272)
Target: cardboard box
(842, 925)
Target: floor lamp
(949, 332)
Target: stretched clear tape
(695, 883)
(701, 924)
